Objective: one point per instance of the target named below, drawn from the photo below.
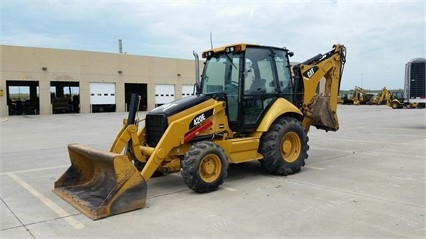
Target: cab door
(250, 80)
(266, 77)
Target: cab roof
(237, 47)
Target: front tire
(395, 105)
(284, 147)
(204, 167)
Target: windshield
(221, 74)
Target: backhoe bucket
(100, 184)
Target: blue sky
(380, 36)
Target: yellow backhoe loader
(250, 105)
(382, 98)
(398, 101)
(360, 96)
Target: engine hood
(179, 105)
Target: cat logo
(309, 73)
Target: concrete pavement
(365, 181)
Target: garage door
(164, 94)
(102, 93)
(187, 90)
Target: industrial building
(49, 81)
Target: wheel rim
(210, 168)
(291, 147)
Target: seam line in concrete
(57, 209)
(34, 170)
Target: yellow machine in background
(360, 96)
(393, 99)
(248, 107)
(397, 101)
(382, 98)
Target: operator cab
(251, 77)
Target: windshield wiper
(230, 59)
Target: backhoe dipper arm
(319, 101)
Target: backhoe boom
(319, 104)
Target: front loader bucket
(100, 184)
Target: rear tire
(284, 147)
(204, 167)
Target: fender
(280, 107)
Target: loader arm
(177, 134)
(319, 108)
(129, 138)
